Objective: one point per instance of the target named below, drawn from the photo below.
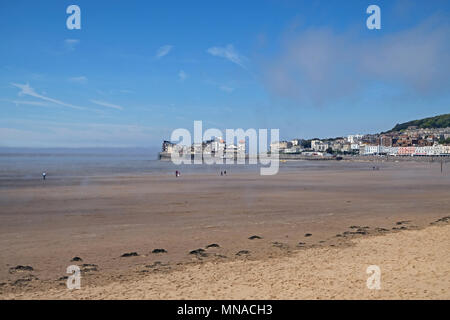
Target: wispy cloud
(182, 75)
(70, 44)
(222, 87)
(25, 89)
(226, 89)
(126, 91)
(228, 53)
(107, 104)
(27, 102)
(163, 51)
(42, 133)
(80, 79)
(30, 103)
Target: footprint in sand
(443, 219)
(129, 254)
(20, 268)
(199, 253)
(280, 245)
(74, 259)
(159, 251)
(243, 252)
(23, 281)
(89, 267)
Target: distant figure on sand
(43, 175)
(225, 172)
(177, 173)
(221, 173)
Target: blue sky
(137, 70)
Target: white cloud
(107, 104)
(182, 75)
(163, 51)
(320, 66)
(228, 53)
(25, 89)
(80, 79)
(70, 44)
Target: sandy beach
(300, 234)
(224, 150)
(413, 264)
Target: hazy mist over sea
(30, 163)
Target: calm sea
(30, 163)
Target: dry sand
(45, 225)
(414, 265)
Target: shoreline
(321, 278)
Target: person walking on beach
(44, 175)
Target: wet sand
(45, 225)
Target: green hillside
(442, 121)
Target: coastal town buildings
(409, 142)
(280, 145)
(318, 145)
(168, 146)
(354, 138)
